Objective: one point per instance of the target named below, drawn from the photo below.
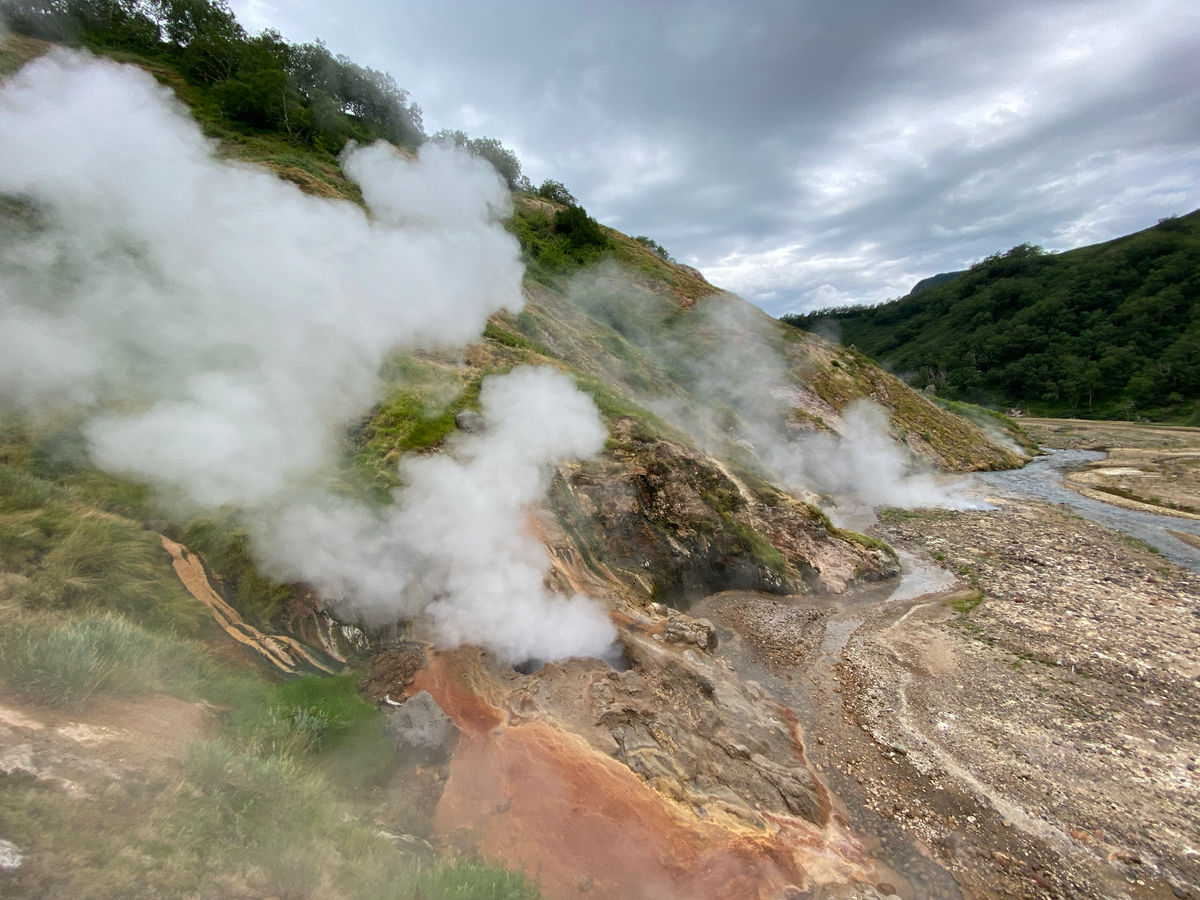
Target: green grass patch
(415, 418)
(990, 420)
(494, 332)
(614, 405)
(64, 663)
(966, 602)
(863, 540)
(473, 879)
(90, 562)
(894, 515)
(761, 549)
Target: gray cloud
(828, 152)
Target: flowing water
(1043, 479)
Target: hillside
(159, 589)
(1108, 331)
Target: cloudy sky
(806, 154)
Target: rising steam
(741, 389)
(218, 329)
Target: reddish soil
(538, 797)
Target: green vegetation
(257, 84)
(1109, 331)
(274, 803)
(63, 663)
(502, 159)
(471, 879)
(271, 802)
(554, 244)
(654, 247)
(72, 557)
(292, 107)
(964, 603)
(761, 549)
(556, 192)
(863, 540)
(990, 421)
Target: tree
(654, 247)
(557, 192)
(502, 159)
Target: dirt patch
(114, 738)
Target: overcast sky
(805, 154)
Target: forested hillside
(1108, 331)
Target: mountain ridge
(1106, 331)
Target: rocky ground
(1034, 733)
(1065, 701)
(1031, 730)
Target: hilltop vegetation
(1108, 331)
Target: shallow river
(1043, 478)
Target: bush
(580, 229)
(326, 712)
(557, 192)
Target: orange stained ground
(540, 798)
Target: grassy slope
(1108, 331)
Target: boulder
(421, 730)
(470, 421)
(686, 630)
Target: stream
(1043, 478)
(833, 743)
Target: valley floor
(1032, 730)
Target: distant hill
(1107, 331)
(935, 281)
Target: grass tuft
(62, 665)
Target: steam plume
(457, 532)
(218, 329)
(741, 388)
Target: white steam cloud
(219, 329)
(458, 532)
(742, 386)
